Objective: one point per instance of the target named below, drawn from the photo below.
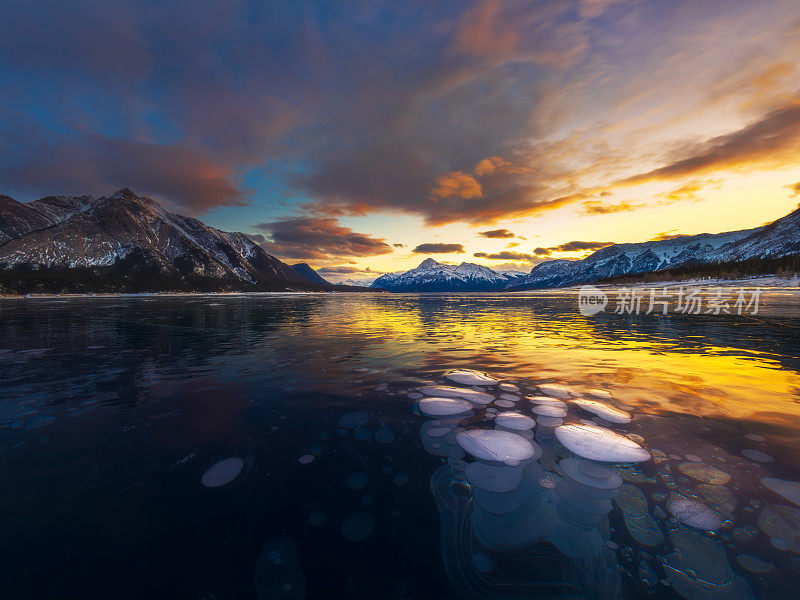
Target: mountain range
(130, 243)
(775, 240)
(433, 276)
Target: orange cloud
(598, 207)
(456, 184)
(495, 164)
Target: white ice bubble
(306, 458)
(357, 481)
(547, 483)
(470, 377)
(545, 410)
(223, 472)
(384, 435)
(436, 432)
(41, 421)
(549, 421)
(754, 564)
(482, 563)
(598, 393)
(358, 526)
(498, 446)
(499, 480)
(510, 397)
(602, 410)
(509, 387)
(547, 400)
(704, 472)
(787, 489)
(757, 455)
(443, 407)
(694, 514)
(597, 443)
(555, 389)
(755, 437)
(504, 403)
(401, 479)
(590, 474)
(448, 391)
(644, 529)
(317, 518)
(353, 420)
(515, 420)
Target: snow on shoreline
(770, 282)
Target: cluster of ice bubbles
(532, 478)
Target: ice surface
(358, 526)
(357, 481)
(353, 420)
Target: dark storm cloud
(38, 164)
(318, 238)
(497, 234)
(505, 255)
(392, 106)
(574, 246)
(436, 248)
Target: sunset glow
(347, 138)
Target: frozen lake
(227, 447)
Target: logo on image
(591, 300)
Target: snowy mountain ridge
(433, 276)
(127, 242)
(777, 239)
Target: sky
(363, 136)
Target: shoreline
(752, 282)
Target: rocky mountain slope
(305, 270)
(126, 242)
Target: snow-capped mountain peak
(433, 276)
